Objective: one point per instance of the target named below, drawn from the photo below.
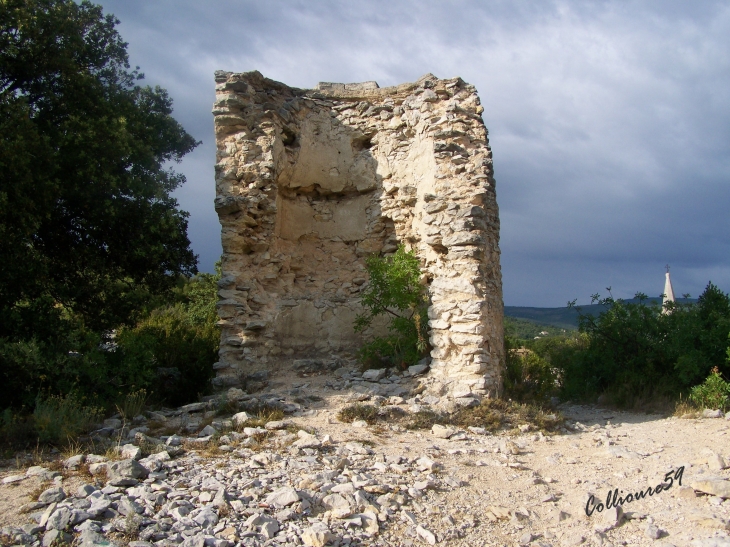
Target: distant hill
(565, 318)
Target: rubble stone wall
(311, 182)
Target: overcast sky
(609, 121)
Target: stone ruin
(311, 182)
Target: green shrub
(394, 290)
(635, 353)
(57, 419)
(169, 356)
(713, 393)
(528, 377)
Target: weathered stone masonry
(310, 182)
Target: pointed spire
(668, 291)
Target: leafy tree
(88, 227)
(395, 291)
(200, 296)
(634, 351)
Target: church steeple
(668, 291)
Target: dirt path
(539, 495)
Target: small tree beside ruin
(394, 290)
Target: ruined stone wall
(310, 182)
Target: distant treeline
(567, 317)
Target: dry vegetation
(492, 414)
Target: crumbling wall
(310, 182)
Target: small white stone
(426, 535)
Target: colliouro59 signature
(613, 499)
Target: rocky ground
(194, 477)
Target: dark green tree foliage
(87, 223)
(90, 237)
(395, 291)
(634, 351)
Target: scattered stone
(526, 538)
(283, 497)
(509, 447)
(207, 431)
(193, 407)
(125, 472)
(60, 519)
(36, 471)
(306, 440)
(54, 537)
(714, 487)
(131, 452)
(13, 479)
(174, 440)
(708, 413)
(415, 370)
(559, 516)
(314, 537)
(686, 492)
(610, 519)
(442, 432)
(653, 532)
(426, 535)
(74, 461)
(51, 495)
(277, 424)
(716, 462)
(575, 539)
(338, 504)
(374, 374)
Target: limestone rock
(716, 462)
(610, 519)
(442, 432)
(125, 472)
(282, 497)
(653, 532)
(51, 495)
(426, 535)
(131, 452)
(313, 537)
(56, 537)
(373, 375)
(714, 487)
(338, 504)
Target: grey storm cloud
(609, 121)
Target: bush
(394, 290)
(528, 377)
(167, 355)
(634, 352)
(57, 419)
(713, 393)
